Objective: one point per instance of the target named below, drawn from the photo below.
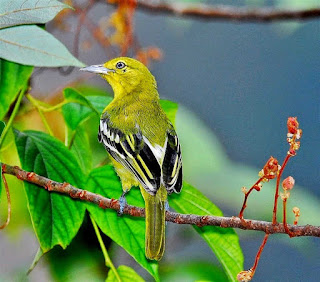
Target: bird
(142, 142)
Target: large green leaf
(126, 274)
(56, 218)
(77, 110)
(99, 102)
(81, 107)
(31, 45)
(72, 95)
(81, 149)
(13, 77)
(17, 12)
(224, 242)
(126, 231)
(2, 126)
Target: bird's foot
(166, 205)
(122, 202)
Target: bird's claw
(122, 203)
(166, 205)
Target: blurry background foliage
(235, 83)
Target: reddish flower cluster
(292, 125)
(294, 134)
(296, 212)
(270, 169)
(288, 183)
(245, 275)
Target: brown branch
(222, 12)
(225, 222)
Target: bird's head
(125, 75)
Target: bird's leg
(123, 201)
(167, 207)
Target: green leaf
(17, 12)
(56, 217)
(224, 242)
(31, 45)
(13, 78)
(2, 126)
(81, 149)
(72, 95)
(126, 231)
(77, 110)
(81, 107)
(99, 102)
(170, 109)
(126, 273)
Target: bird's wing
(172, 163)
(134, 152)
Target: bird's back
(134, 116)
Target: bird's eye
(120, 65)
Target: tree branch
(223, 12)
(224, 222)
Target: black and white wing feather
(152, 165)
(172, 164)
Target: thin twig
(244, 205)
(223, 12)
(225, 222)
(256, 261)
(98, 35)
(107, 258)
(285, 224)
(8, 202)
(83, 13)
(276, 195)
(12, 116)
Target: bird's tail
(155, 222)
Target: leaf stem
(104, 250)
(55, 107)
(45, 122)
(44, 107)
(12, 116)
(73, 136)
(40, 109)
(35, 260)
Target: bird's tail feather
(155, 223)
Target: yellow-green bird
(142, 142)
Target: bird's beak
(100, 69)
